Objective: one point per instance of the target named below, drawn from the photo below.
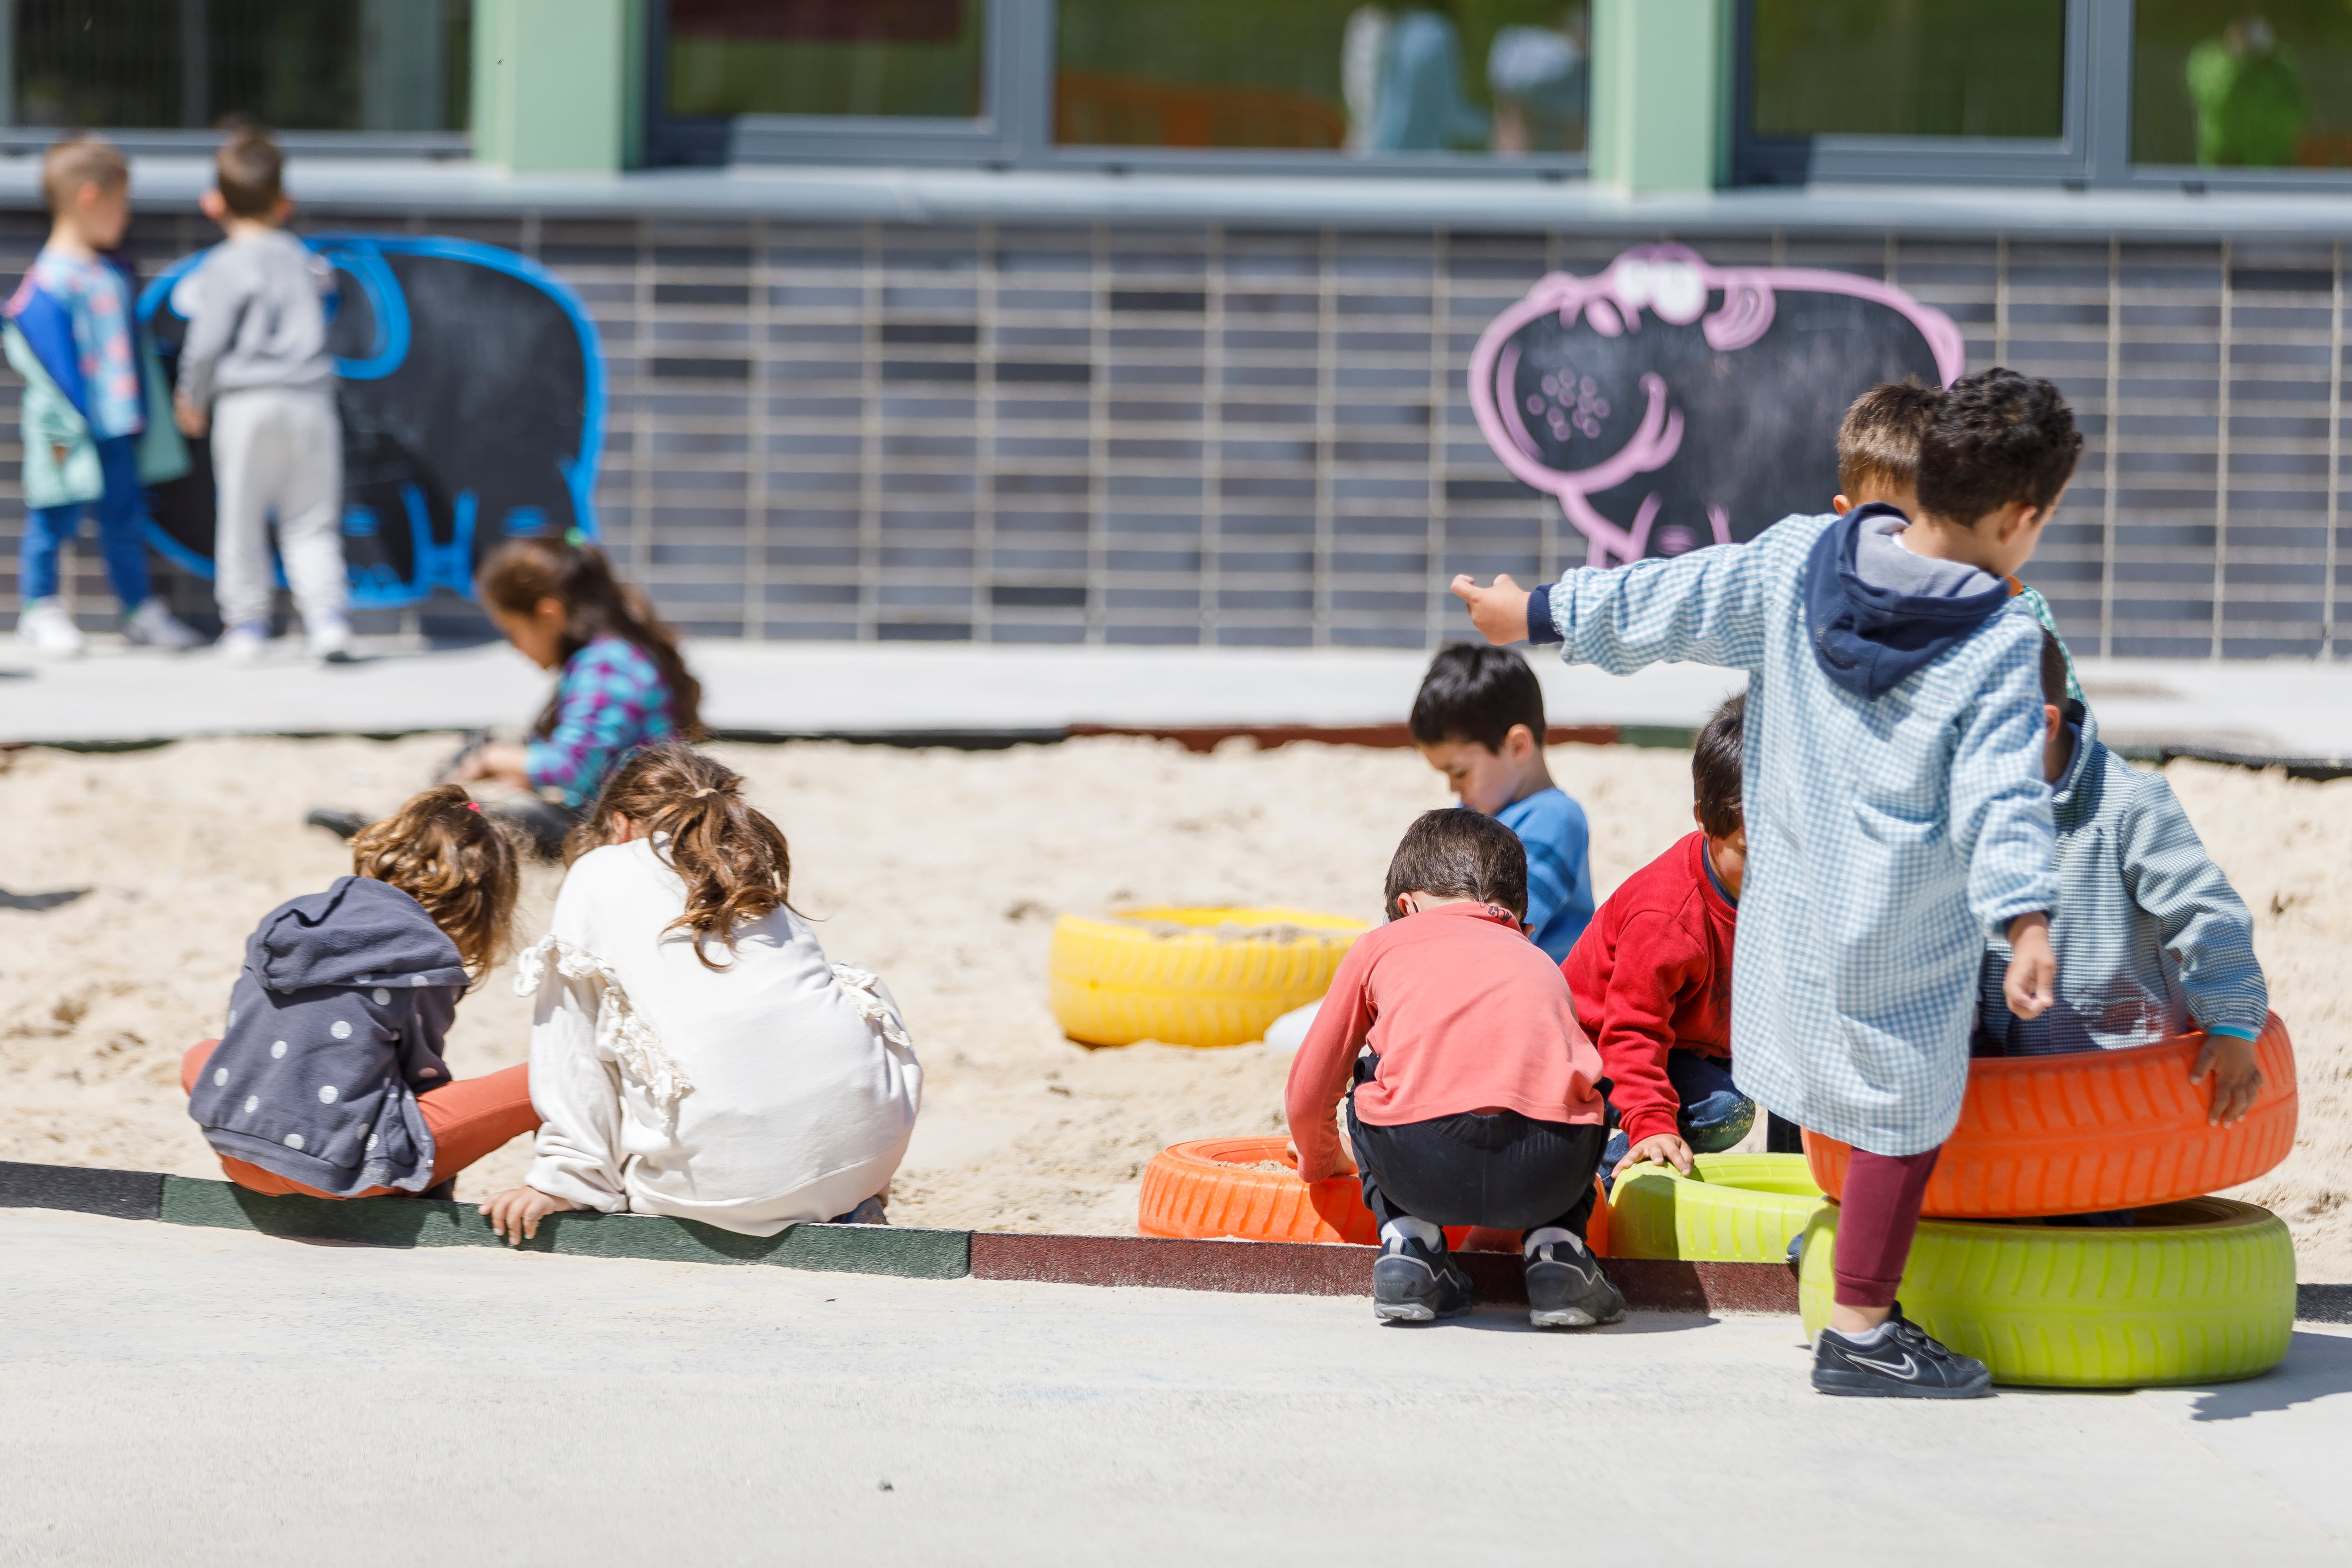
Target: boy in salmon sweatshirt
(1480, 1102)
(1652, 976)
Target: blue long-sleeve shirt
(1559, 871)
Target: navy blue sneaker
(1413, 1283)
(1901, 1364)
(1567, 1290)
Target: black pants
(541, 826)
(1503, 1169)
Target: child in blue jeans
(98, 425)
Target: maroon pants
(1876, 1219)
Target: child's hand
(502, 762)
(191, 420)
(1500, 613)
(515, 1214)
(1345, 1167)
(2236, 1079)
(1661, 1147)
(2032, 977)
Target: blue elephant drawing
(472, 394)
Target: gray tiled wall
(1134, 434)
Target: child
(1479, 720)
(1480, 1102)
(1652, 976)
(254, 371)
(1878, 462)
(96, 419)
(328, 1078)
(693, 1053)
(2151, 939)
(625, 684)
(1896, 810)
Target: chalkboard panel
(472, 393)
(1669, 404)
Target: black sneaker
(342, 824)
(1567, 1290)
(1416, 1284)
(1904, 1363)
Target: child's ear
(1519, 742)
(1840, 504)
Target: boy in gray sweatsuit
(254, 371)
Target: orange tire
(2093, 1130)
(1227, 1187)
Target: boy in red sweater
(1652, 976)
(1480, 1101)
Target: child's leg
(47, 530)
(121, 511)
(245, 462)
(310, 500)
(1714, 1115)
(475, 1116)
(1877, 1217)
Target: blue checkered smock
(2151, 938)
(1886, 840)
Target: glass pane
(1466, 76)
(292, 64)
(1910, 68)
(2265, 87)
(906, 59)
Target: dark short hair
(1997, 438)
(1879, 437)
(2054, 670)
(1458, 853)
(1715, 769)
(249, 172)
(1475, 693)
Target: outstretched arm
(1708, 606)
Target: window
(892, 58)
(1482, 76)
(2225, 84)
(162, 65)
(1932, 67)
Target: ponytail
(523, 572)
(734, 862)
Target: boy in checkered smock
(1895, 811)
(2152, 941)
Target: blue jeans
(1714, 1115)
(121, 508)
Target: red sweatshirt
(1651, 974)
(1465, 1013)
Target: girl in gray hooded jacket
(328, 1078)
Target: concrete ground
(2286, 708)
(188, 1396)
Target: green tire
(1732, 1208)
(2197, 1291)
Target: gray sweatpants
(278, 452)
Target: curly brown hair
(733, 860)
(440, 850)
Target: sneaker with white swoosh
(1902, 1362)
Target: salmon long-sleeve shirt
(1465, 1014)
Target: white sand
(943, 871)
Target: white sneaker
(153, 626)
(248, 644)
(331, 640)
(45, 627)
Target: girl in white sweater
(694, 1053)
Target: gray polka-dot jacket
(334, 1027)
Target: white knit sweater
(779, 1089)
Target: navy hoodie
(333, 1029)
(1877, 613)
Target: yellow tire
(2197, 1291)
(1732, 1208)
(1190, 977)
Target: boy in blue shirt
(1896, 813)
(1479, 721)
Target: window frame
(1016, 126)
(2094, 150)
